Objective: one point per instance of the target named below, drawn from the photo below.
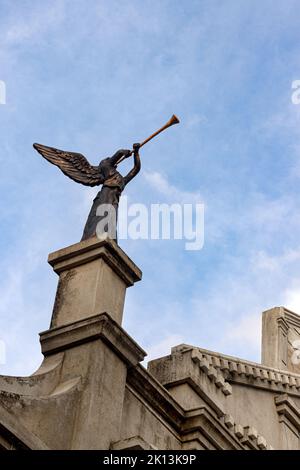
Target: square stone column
(93, 277)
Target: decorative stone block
(229, 421)
(212, 374)
(261, 442)
(204, 365)
(220, 382)
(241, 368)
(232, 367)
(252, 432)
(196, 355)
(227, 389)
(238, 431)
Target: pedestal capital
(94, 248)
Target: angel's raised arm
(137, 164)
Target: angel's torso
(112, 178)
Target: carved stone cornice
(156, 396)
(288, 412)
(292, 318)
(100, 326)
(204, 422)
(224, 370)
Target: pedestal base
(93, 277)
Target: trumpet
(173, 120)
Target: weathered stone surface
(281, 339)
(229, 421)
(84, 331)
(91, 392)
(93, 277)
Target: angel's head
(107, 167)
(104, 162)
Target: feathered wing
(74, 165)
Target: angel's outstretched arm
(137, 164)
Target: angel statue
(75, 166)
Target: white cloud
(33, 23)
(264, 261)
(174, 194)
(20, 316)
(27, 295)
(195, 120)
(130, 63)
(244, 333)
(163, 347)
(285, 120)
(292, 296)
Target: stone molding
(88, 250)
(288, 412)
(212, 373)
(212, 428)
(217, 366)
(292, 318)
(156, 396)
(198, 425)
(100, 326)
(132, 443)
(247, 435)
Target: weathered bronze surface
(76, 166)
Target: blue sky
(94, 76)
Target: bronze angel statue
(75, 166)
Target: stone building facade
(91, 391)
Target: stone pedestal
(75, 399)
(96, 354)
(93, 277)
(91, 392)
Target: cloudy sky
(99, 75)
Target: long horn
(173, 120)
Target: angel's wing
(72, 164)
